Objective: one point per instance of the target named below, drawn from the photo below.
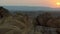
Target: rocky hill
(24, 23)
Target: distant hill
(31, 8)
(33, 11)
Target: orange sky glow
(47, 3)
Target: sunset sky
(47, 3)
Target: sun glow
(58, 3)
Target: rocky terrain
(28, 22)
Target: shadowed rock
(46, 19)
(3, 12)
(43, 18)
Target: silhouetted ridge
(3, 12)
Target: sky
(47, 3)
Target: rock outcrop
(48, 20)
(42, 19)
(3, 12)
